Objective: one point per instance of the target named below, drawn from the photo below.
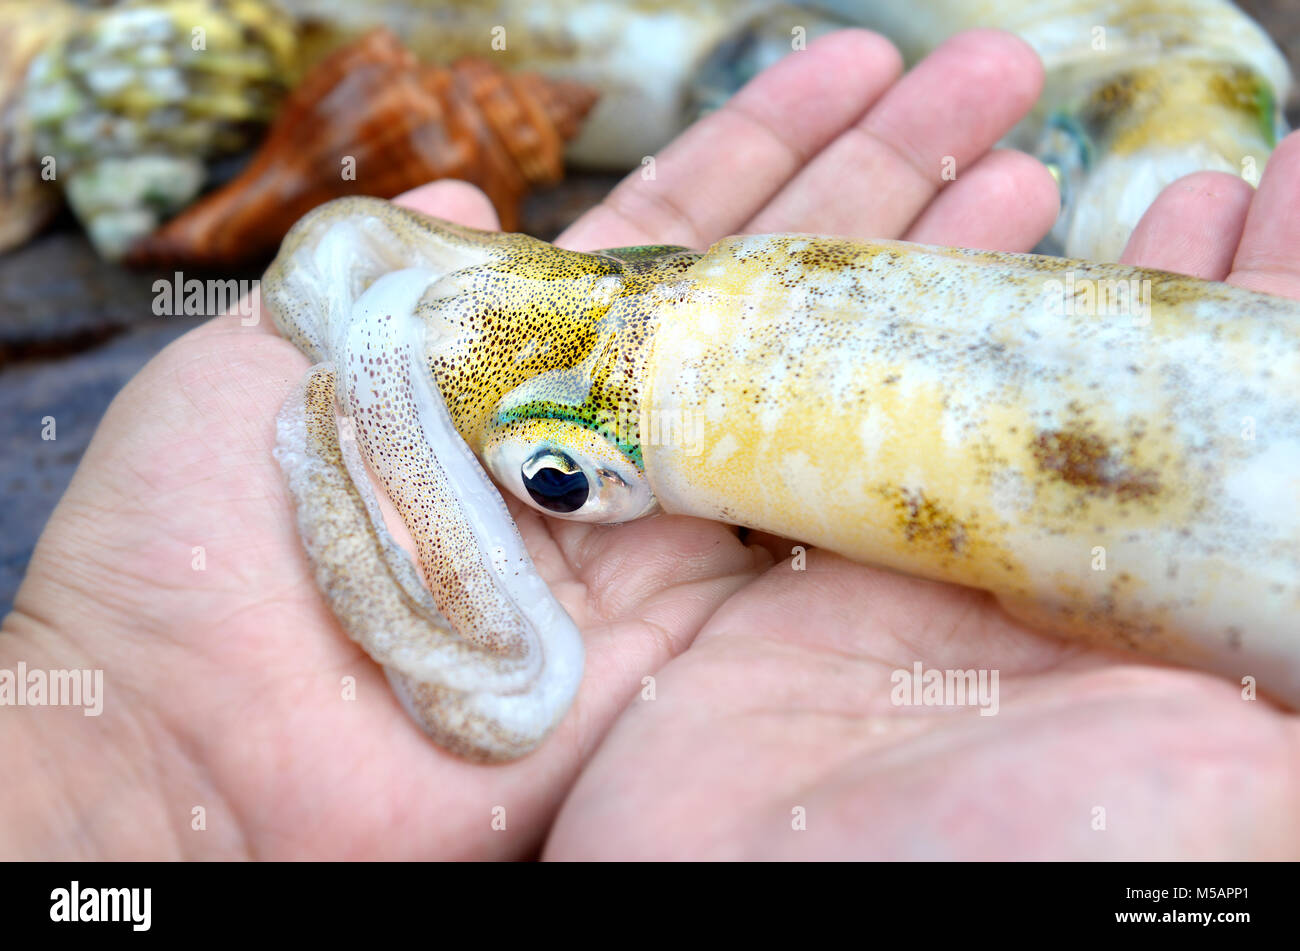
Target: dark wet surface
(73, 391)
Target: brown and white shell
(371, 120)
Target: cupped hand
(772, 732)
(174, 565)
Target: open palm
(231, 689)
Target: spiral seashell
(371, 120)
(640, 56)
(134, 100)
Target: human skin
(224, 687)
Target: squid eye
(555, 482)
(566, 469)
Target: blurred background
(141, 140)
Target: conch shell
(371, 120)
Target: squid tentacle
(490, 662)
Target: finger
(719, 172)
(452, 200)
(1268, 258)
(1193, 226)
(941, 117)
(1006, 202)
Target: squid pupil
(557, 490)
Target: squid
(1113, 452)
(1136, 95)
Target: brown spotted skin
(1112, 452)
(1130, 478)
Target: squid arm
(1113, 452)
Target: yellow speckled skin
(1132, 478)
(1115, 453)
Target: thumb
(452, 200)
